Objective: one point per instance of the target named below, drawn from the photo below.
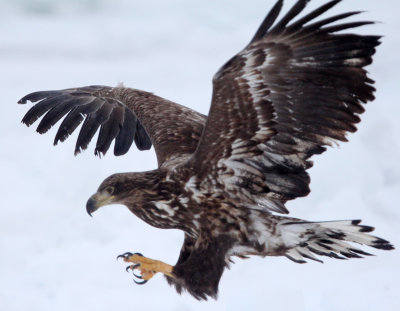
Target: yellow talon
(147, 267)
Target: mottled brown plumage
(298, 86)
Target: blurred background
(54, 257)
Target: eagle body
(216, 229)
(223, 179)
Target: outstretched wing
(297, 87)
(122, 114)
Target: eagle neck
(156, 202)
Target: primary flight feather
(297, 87)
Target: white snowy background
(53, 256)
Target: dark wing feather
(75, 117)
(110, 129)
(122, 114)
(126, 135)
(142, 140)
(91, 125)
(296, 88)
(38, 110)
(268, 21)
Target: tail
(330, 238)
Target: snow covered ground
(54, 257)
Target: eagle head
(124, 188)
(108, 193)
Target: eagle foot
(146, 266)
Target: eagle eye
(109, 190)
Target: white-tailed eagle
(223, 179)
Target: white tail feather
(330, 238)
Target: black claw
(137, 276)
(127, 254)
(133, 269)
(124, 255)
(139, 254)
(140, 283)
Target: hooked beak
(98, 200)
